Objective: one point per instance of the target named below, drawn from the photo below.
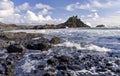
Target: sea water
(108, 39)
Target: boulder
(39, 46)
(55, 40)
(15, 48)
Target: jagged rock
(15, 48)
(55, 40)
(73, 22)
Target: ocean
(108, 39)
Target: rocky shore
(71, 22)
(28, 54)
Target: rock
(41, 67)
(55, 40)
(15, 48)
(65, 59)
(37, 56)
(52, 61)
(49, 74)
(39, 46)
(74, 67)
(3, 44)
(19, 35)
(72, 22)
(100, 26)
(62, 67)
(101, 70)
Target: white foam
(86, 47)
(97, 48)
(29, 65)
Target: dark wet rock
(41, 67)
(65, 59)
(109, 64)
(100, 26)
(74, 67)
(39, 46)
(15, 48)
(101, 70)
(14, 57)
(62, 67)
(52, 61)
(86, 74)
(37, 56)
(49, 74)
(117, 62)
(55, 40)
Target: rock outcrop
(100, 26)
(73, 22)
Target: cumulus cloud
(13, 14)
(42, 6)
(93, 4)
(77, 5)
(24, 6)
(6, 8)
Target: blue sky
(92, 12)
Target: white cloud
(12, 14)
(112, 21)
(6, 8)
(93, 4)
(24, 6)
(77, 5)
(93, 10)
(42, 6)
(118, 12)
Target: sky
(34, 12)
